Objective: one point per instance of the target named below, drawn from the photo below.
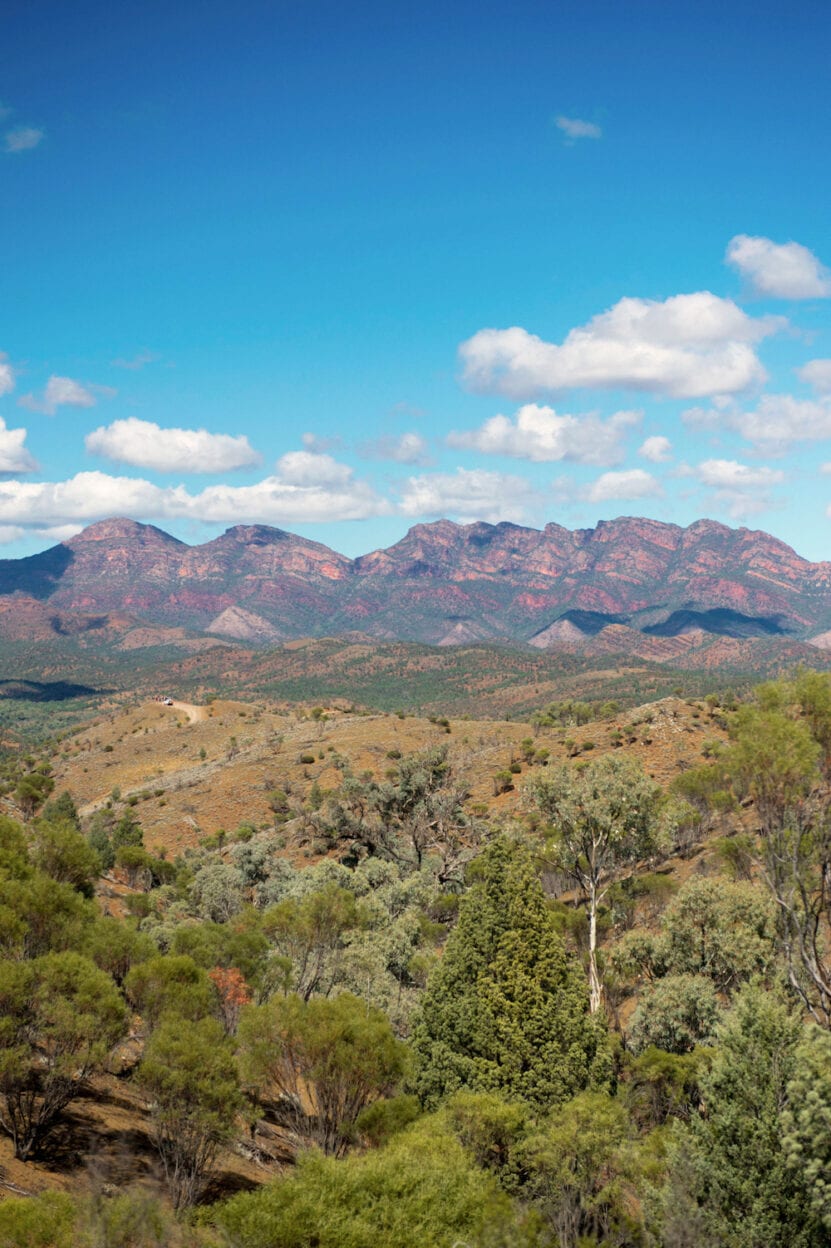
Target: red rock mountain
(627, 584)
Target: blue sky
(342, 269)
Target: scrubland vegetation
(396, 1015)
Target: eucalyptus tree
(603, 816)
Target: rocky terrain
(691, 597)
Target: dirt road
(195, 714)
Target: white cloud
(633, 483)
(816, 373)
(6, 374)
(541, 435)
(307, 468)
(22, 138)
(406, 448)
(656, 449)
(727, 474)
(685, 347)
(10, 533)
(278, 499)
(64, 392)
(143, 444)
(779, 270)
(469, 494)
(58, 532)
(742, 490)
(778, 421)
(575, 128)
(13, 454)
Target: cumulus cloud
(64, 392)
(684, 347)
(143, 444)
(306, 468)
(58, 532)
(774, 425)
(295, 494)
(14, 456)
(779, 270)
(542, 435)
(726, 474)
(406, 448)
(467, 494)
(817, 373)
(741, 489)
(6, 374)
(630, 484)
(780, 420)
(576, 128)
(22, 138)
(656, 449)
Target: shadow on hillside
(47, 691)
(36, 575)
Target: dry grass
(194, 778)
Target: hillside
(253, 844)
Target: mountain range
(695, 595)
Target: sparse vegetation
(394, 958)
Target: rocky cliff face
(629, 582)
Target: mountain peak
(120, 529)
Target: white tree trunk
(595, 987)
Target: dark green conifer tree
(507, 1009)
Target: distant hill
(691, 597)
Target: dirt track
(195, 714)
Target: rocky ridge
(633, 585)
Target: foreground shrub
(421, 1191)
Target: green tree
(309, 931)
(32, 790)
(60, 851)
(38, 915)
(776, 761)
(169, 985)
(59, 1018)
(128, 831)
(506, 1008)
(44, 1221)
(603, 816)
(62, 809)
(675, 1014)
(216, 892)
(335, 1056)
(806, 1121)
(115, 946)
(736, 1164)
(239, 943)
(99, 836)
(722, 929)
(581, 1172)
(189, 1076)
(420, 1191)
(491, 1129)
